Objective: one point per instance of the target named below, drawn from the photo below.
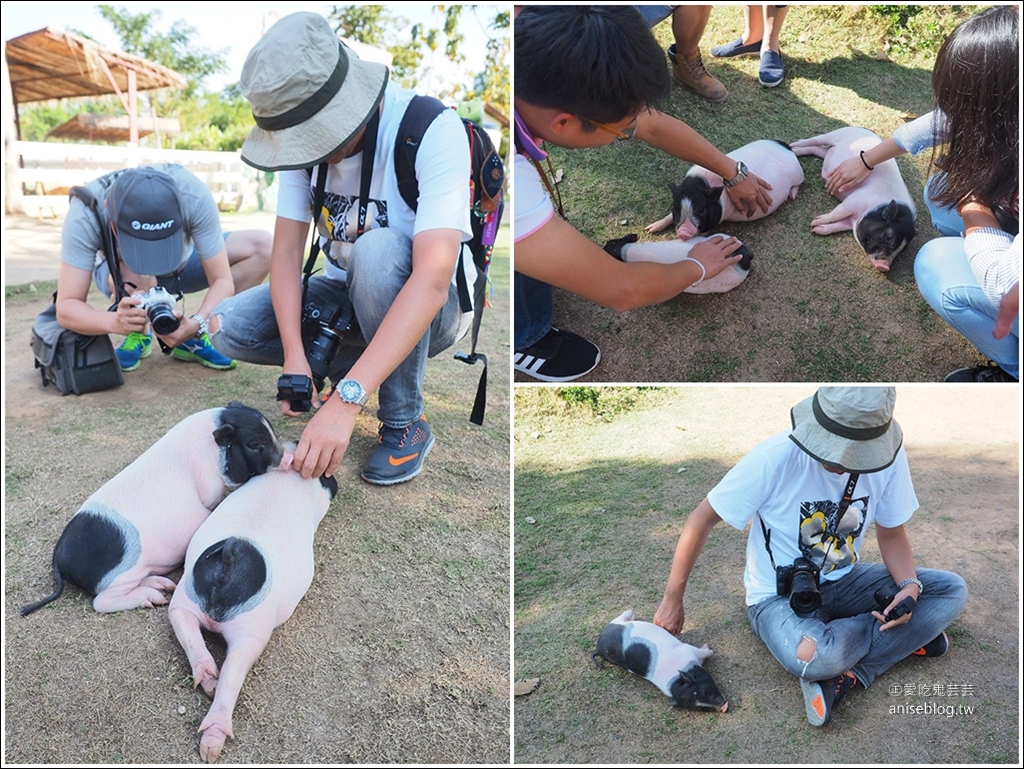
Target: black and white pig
(137, 525)
(700, 202)
(652, 652)
(879, 210)
(671, 251)
(246, 570)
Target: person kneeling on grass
(585, 77)
(814, 491)
(167, 233)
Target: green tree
(174, 49)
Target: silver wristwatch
(350, 391)
(920, 587)
(741, 174)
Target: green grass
(826, 311)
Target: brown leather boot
(691, 73)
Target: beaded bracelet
(862, 160)
(703, 272)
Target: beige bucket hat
(309, 93)
(849, 427)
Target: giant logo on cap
(145, 226)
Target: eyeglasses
(622, 134)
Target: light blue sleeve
(919, 135)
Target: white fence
(48, 170)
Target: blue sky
(220, 26)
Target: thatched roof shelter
(52, 64)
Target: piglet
(879, 210)
(246, 570)
(137, 525)
(700, 202)
(652, 652)
(627, 249)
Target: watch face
(350, 390)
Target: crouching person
(322, 112)
(812, 493)
(167, 237)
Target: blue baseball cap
(143, 206)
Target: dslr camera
(159, 307)
(323, 328)
(800, 582)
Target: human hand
(750, 195)
(187, 329)
(1009, 309)
(325, 439)
(845, 176)
(910, 591)
(129, 316)
(670, 615)
(715, 254)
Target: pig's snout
(724, 708)
(882, 265)
(686, 230)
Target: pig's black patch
(703, 201)
(779, 141)
(885, 230)
(248, 444)
(91, 546)
(746, 257)
(226, 577)
(636, 658)
(331, 484)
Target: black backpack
(487, 176)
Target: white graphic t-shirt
(798, 500)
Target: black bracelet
(862, 160)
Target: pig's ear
(714, 192)
(685, 677)
(224, 435)
(676, 188)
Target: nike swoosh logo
(397, 462)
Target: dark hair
(596, 62)
(976, 80)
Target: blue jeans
(534, 303)
(844, 631)
(945, 279)
(380, 265)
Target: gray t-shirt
(81, 246)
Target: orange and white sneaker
(399, 454)
(820, 697)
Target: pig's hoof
(159, 583)
(207, 676)
(212, 741)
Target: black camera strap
(844, 505)
(319, 195)
(107, 242)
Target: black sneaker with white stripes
(560, 356)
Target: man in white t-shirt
(316, 102)
(811, 495)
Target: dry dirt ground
(608, 502)
(398, 653)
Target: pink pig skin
(278, 514)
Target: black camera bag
(75, 363)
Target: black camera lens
(320, 354)
(804, 598)
(163, 320)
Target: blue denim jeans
(844, 631)
(945, 279)
(534, 303)
(380, 265)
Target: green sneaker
(133, 349)
(201, 351)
